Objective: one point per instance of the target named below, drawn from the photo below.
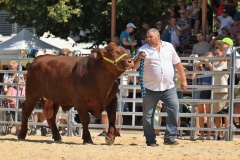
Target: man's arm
(141, 55)
(182, 74)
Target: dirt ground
(131, 145)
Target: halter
(115, 61)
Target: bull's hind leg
(52, 124)
(111, 113)
(27, 108)
(85, 120)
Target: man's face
(224, 14)
(199, 37)
(225, 45)
(153, 38)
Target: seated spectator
(230, 6)
(174, 11)
(159, 26)
(12, 91)
(193, 14)
(224, 20)
(175, 31)
(9, 77)
(185, 24)
(237, 38)
(202, 46)
(223, 34)
(198, 23)
(234, 28)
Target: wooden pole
(204, 17)
(113, 19)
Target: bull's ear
(97, 53)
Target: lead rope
(141, 71)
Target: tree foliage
(88, 20)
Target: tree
(88, 20)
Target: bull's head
(117, 56)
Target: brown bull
(88, 83)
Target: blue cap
(131, 25)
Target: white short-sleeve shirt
(158, 66)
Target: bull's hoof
(88, 142)
(21, 137)
(109, 140)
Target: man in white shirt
(157, 60)
(224, 20)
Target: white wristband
(5, 89)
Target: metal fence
(134, 115)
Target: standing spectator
(63, 117)
(224, 20)
(174, 11)
(66, 52)
(202, 46)
(9, 77)
(185, 25)
(193, 14)
(219, 93)
(125, 38)
(175, 31)
(204, 94)
(156, 78)
(12, 91)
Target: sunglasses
(182, 13)
(180, 1)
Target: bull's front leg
(111, 113)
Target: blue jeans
(170, 100)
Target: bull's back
(49, 73)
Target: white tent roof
(25, 40)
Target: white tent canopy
(25, 40)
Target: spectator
(12, 91)
(63, 117)
(204, 94)
(125, 38)
(219, 93)
(202, 46)
(174, 11)
(224, 20)
(159, 26)
(175, 31)
(235, 26)
(185, 25)
(237, 38)
(193, 14)
(230, 6)
(9, 77)
(153, 57)
(66, 52)
(158, 119)
(223, 34)
(209, 21)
